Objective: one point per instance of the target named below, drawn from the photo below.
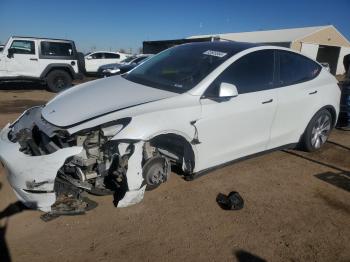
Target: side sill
(210, 169)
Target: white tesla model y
(195, 106)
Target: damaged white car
(195, 106)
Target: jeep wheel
(58, 80)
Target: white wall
(309, 50)
(340, 67)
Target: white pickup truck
(52, 61)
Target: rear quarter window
(58, 49)
(295, 68)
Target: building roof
(270, 36)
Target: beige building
(322, 43)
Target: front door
(24, 61)
(238, 127)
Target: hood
(97, 98)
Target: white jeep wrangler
(52, 61)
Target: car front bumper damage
(33, 177)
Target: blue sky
(125, 24)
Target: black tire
(58, 80)
(317, 131)
(81, 63)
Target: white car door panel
(95, 60)
(298, 100)
(241, 126)
(235, 128)
(24, 61)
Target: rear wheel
(58, 80)
(317, 131)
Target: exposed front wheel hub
(156, 171)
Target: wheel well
(66, 69)
(333, 113)
(177, 145)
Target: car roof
(232, 46)
(43, 38)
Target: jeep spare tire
(58, 80)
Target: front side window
(23, 47)
(295, 68)
(56, 48)
(97, 56)
(180, 68)
(251, 73)
(111, 56)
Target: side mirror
(88, 57)
(227, 90)
(10, 52)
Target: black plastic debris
(68, 206)
(231, 202)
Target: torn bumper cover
(32, 177)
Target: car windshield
(180, 68)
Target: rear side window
(251, 73)
(295, 68)
(56, 48)
(111, 55)
(23, 47)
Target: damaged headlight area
(104, 166)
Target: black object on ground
(231, 202)
(67, 206)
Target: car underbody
(54, 169)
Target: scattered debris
(231, 202)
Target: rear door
(25, 60)
(299, 96)
(230, 129)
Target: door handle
(312, 93)
(268, 101)
(33, 59)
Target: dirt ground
(297, 208)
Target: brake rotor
(156, 171)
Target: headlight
(109, 129)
